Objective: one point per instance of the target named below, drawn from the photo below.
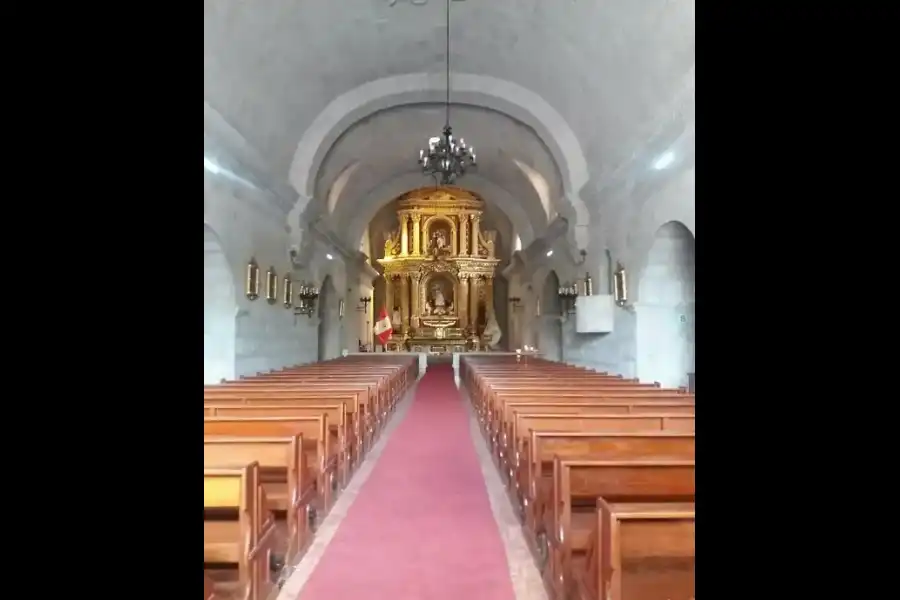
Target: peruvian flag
(383, 329)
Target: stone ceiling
(578, 95)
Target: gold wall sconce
(287, 292)
(271, 286)
(620, 285)
(251, 284)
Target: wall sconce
(251, 285)
(287, 291)
(567, 295)
(341, 308)
(515, 302)
(307, 299)
(364, 300)
(620, 285)
(271, 286)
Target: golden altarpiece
(439, 271)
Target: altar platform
(426, 357)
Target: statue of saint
(438, 302)
(396, 319)
(439, 244)
(391, 243)
(428, 308)
(492, 332)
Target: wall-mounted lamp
(364, 300)
(251, 285)
(515, 302)
(307, 296)
(620, 285)
(271, 286)
(567, 295)
(287, 292)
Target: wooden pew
(353, 435)
(638, 551)
(579, 482)
(507, 433)
(335, 413)
(284, 476)
(245, 541)
(536, 472)
(321, 460)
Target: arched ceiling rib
(605, 69)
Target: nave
(390, 499)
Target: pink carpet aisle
(421, 527)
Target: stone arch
(219, 311)
(329, 321)
(550, 329)
(500, 95)
(665, 310)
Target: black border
(103, 166)
(790, 205)
(790, 122)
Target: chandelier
(447, 158)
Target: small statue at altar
(391, 243)
(438, 303)
(439, 244)
(428, 308)
(396, 319)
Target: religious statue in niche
(396, 318)
(391, 243)
(440, 244)
(439, 301)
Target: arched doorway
(550, 333)
(219, 311)
(329, 328)
(665, 308)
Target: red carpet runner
(421, 527)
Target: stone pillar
(462, 301)
(388, 296)
(404, 300)
(463, 234)
(488, 296)
(473, 301)
(417, 234)
(476, 232)
(404, 234)
(414, 301)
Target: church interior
(449, 300)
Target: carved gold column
(414, 300)
(463, 301)
(463, 235)
(404, 234)
(473, 300)
(417, 234)
(389, 295)
(404, 300)
(455, 241)
(488, 295)
(476, 232)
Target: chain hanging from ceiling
(447, 158)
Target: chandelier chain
(446, 158)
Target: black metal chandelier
(447, 158)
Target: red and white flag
(383, 329)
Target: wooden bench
(578, 483)
(335, 413)
(209, 588)
(636, 551)
(245, 540)
(320, 459)
(284, 476)
(536, 473)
